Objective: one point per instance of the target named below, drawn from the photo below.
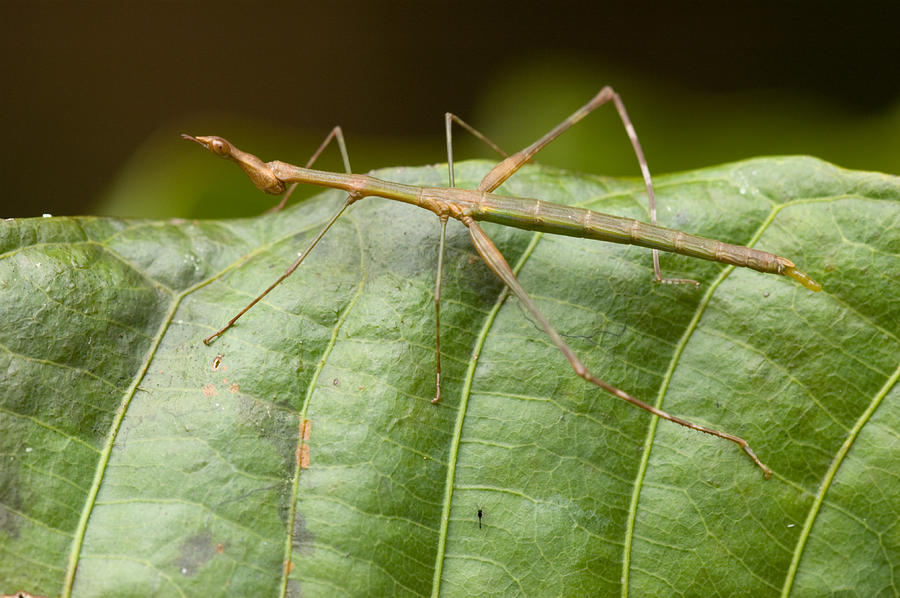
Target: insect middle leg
(449, 119)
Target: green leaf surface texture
(300, 454)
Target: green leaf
(138, 461)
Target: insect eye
(219, 147)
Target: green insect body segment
(557, 219)
(803, 278)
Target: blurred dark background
(94, 93)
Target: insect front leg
(336, 134)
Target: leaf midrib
(81, 529)
(641, 473)
(828, 479)
(310, 390)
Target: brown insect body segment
(253, 167)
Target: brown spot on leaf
(304, 456)
(209, 390)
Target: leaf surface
(139, 461)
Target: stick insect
(472, 205)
